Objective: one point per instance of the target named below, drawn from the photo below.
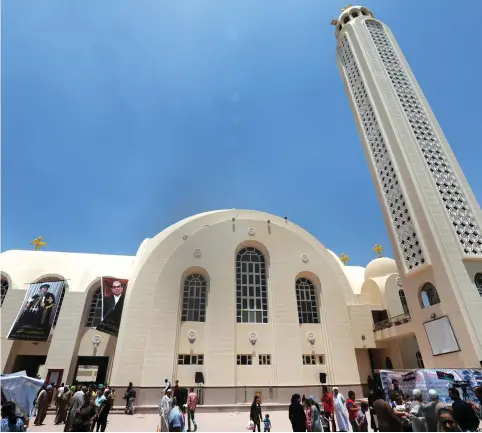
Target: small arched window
(478, 282)
(95, 311)
(403, 300)
(4, 287)
(251, 287)
(419, 359)
(388, 363)
(194, 299)
(306, 300)
(428, 295)
(346, 19)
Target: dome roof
(380, 267)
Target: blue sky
(121, 117)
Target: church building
(244, 301)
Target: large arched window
(428, 295)
(306, 300)
(194, 299)
(95, 312)
(4, 287)
(251, 288)
(478, 282)
(419, 360)
(403, 300)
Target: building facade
(248, 299)
(432, 217)
(244, 301)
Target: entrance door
(91, 369)
(29, 363)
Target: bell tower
(433, 220)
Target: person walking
(130, 397)
(84, 416)
(387, 420)
(255, 414)
(352, 408)
(431, 410)
(176, 418)
(43, 401)
(373, 418)
(329, 406)
(463, 412)
(340, 411)
(307, 414)
(191, 408)
(416, 415)
(63, 403)
(296, 414)
(100, 419)
(165, 407)
(77, 401)
(315, 414)
(10, 420)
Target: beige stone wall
(158, 283)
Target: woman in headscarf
(315, 414)
(340, 412)
(296, 414)
(43, 402)
(255, 414)
(63, 403)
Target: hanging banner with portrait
(113, 294)
(37, 313)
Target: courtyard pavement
(207, 422)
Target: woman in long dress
(340, 413)
(43, 402)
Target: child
(267, 423)
(361, 417)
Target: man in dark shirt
(463, 412)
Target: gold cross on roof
(347, 7)
(38, 243)
(344, 258)
(377, 249)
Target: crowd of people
(402, 414)
(86, 408)
(78, 407)
(176, 404)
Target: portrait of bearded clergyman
(37, 313)
(112, 296)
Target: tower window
(346, 19)
(251, 288)
(4, 287)
(95, 312)
(194, 299)
(403, 300)
(428, 296)
(354, 14)
(306, 300)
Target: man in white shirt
(165, 408)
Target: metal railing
(392, 321)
